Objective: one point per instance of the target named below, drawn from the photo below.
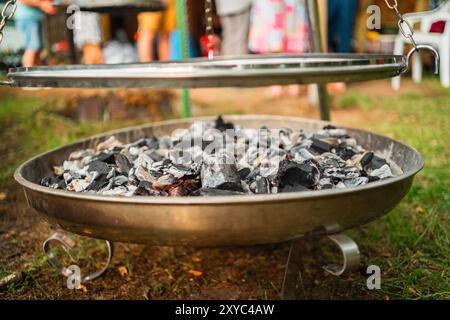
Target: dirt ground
(144, 272)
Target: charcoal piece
(325, 184)
(123, 164)
(291, 173)
(152, 142)
(206, 144)
(220, 175)
(345, 152)
(120, 180)
(166, 163)
(351, 183)
(116, 150)
(177, 191)
(320, 146)
(377, 163)
(47, 181)
(99, 168)
(244, 173)
(165, 143)
(104, 157)
(99, 183)
(305, 154)
(54, 182)
(181, 171)
(156, 156)
(165, 181)
(262, 185)
(145, 188)
(330, 161)
(191, 185)
(78, 185)
(294, 188)
(366, 159)
(155, 175)
(186, 188)
(222, 125)
(252, 175)
(371, 162)
(140, 143)
(382, 172)
(141, 173)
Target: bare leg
(163, 47)
(92, 54)
(30, 58)
(145, 45)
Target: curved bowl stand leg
(351, 260)
(68, 244)
(350, 255)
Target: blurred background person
(87, 36)
(156, 25)
(341, 23)
(278, 26)
(235, 19)
(29, 19)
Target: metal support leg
(294, 265)
(292, 271)
(68, 245)
(350, 255)
(314, 24)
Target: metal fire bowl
(244, 71)
(224, 220)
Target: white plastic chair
(439, 41)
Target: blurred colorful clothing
(279, 26)
(341, 23)
(29, 20)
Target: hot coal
(198, 162)
(145, 188)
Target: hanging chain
(209, 27)
(405, 27)
(7, 13)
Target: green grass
(416, 233)
(32, 126)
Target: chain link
(405, 27)
(7, 13)
(209, 27)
